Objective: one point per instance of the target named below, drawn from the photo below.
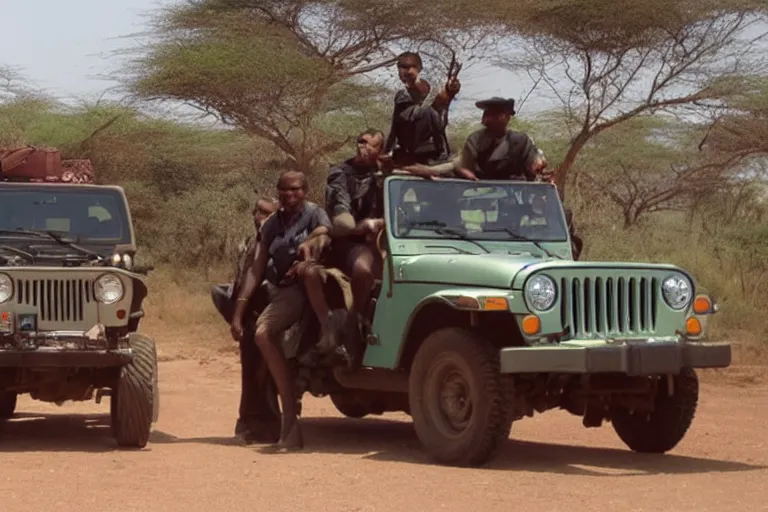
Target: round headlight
(540, 293)
(6, 288)
(108, 289)
(677, 291)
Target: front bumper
(61, 349)
(635, 359)
(57, 358)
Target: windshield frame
(391, 188)
(116, 193)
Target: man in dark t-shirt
(285, 239)
(353, 200)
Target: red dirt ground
(63, 459)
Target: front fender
(472, 299)
(469, 299)
(461, 299)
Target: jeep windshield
(89, 216)
(476, 210)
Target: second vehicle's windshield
(476, 210)
(90, 216)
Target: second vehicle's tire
(662, 429)
(457, 398)
(7, 404)
(133, 399)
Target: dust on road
(64, 459)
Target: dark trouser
(259, 415)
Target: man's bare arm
(344, 225)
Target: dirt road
(63, 459)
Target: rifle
(453, 74)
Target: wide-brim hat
(506, 104)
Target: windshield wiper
(53, 236)
(14, 250)
(517, 236)
(442, 228)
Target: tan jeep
(71, 296)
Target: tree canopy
(279, 70)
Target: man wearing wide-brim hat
(495, 152)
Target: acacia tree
(608, 61)
(279, 69)
(650, 164)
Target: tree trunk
(561, 177)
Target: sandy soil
(63, 459)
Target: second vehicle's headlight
(677, 291)
(540, 293)
(108, 289)
(6, 288)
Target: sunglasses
(289, 189)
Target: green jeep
(71, 302)
(482, 317)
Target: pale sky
(63, 46)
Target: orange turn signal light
(693, 326)
(531, 324)
(702, 305)
(495, 304)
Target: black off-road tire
(662, 429)
(348, 406)
(7, 404)
(132, 405)
(474, 362)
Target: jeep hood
(497, 270)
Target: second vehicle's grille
(57, 300)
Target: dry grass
(180, 315)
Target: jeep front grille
(57, 300)
(609, 306)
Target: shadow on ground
(396, 441)
(28, 432)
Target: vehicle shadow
(396, 441)
(28, 432)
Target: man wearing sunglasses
(417, 133)
(353, 201)
(287, 237)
